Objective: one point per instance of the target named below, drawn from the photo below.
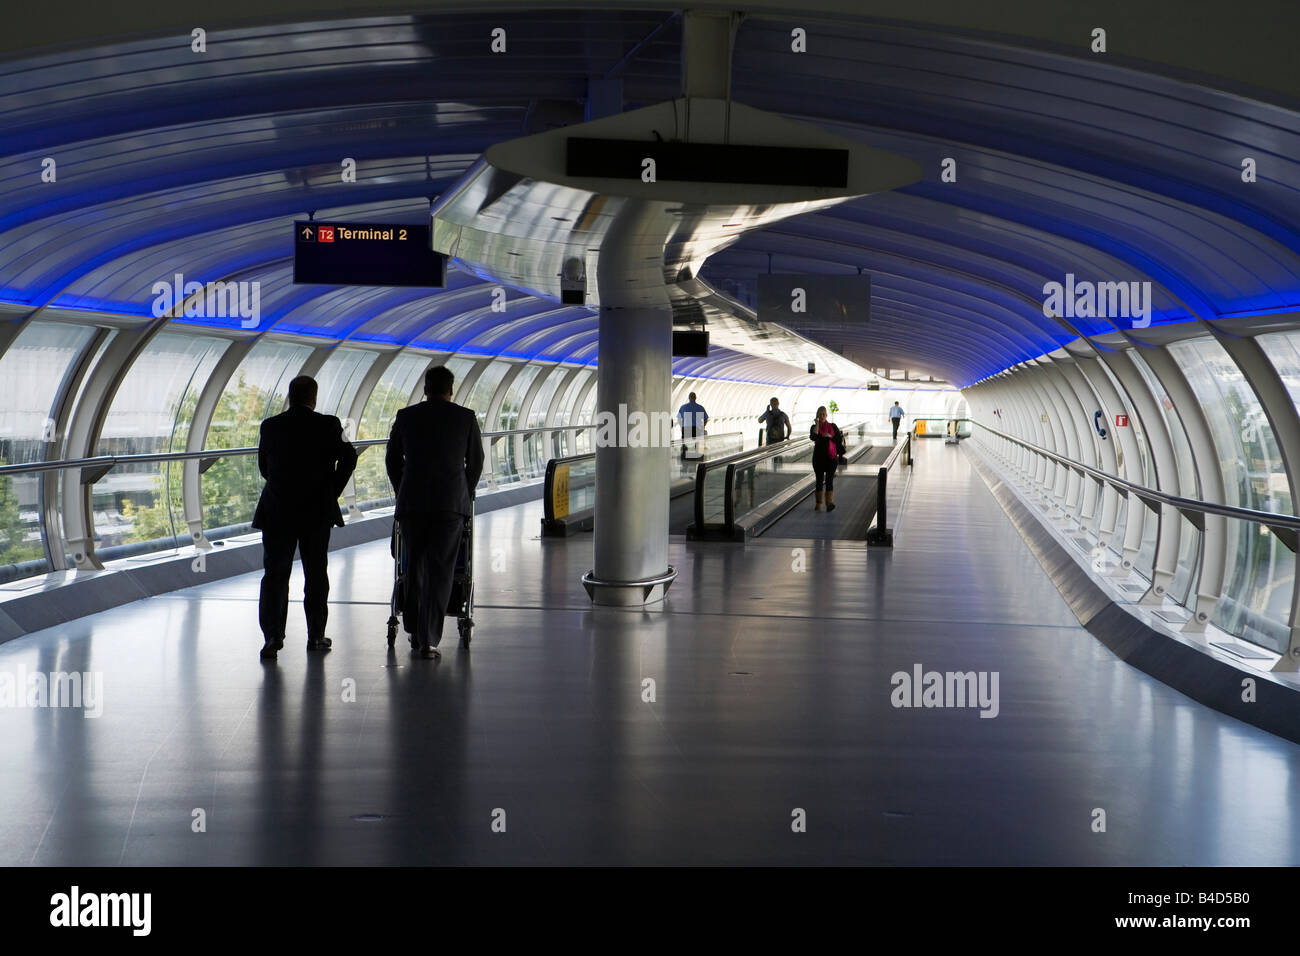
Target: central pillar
(633, 454)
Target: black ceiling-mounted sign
(366, 253)
(708, 162)
(814, 301)
(690, 343)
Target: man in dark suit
(434, 459)
(306, 463)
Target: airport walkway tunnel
(1046, 280)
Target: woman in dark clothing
(828, 446)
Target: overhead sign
(690, 343)
(814, 301)
(366, 253)
(706, 162)
(1121, 421)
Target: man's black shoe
(319, 644)
(270, 648)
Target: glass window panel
(33, 371)
(545, 395)
(256, 391)
(1256, 600)
(150, 414)
(339, 378)
(460, 367)
(508, 413)
(391, 393)
(486, 386)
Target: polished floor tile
(762, 691)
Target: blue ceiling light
(1065, 165)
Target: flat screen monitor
(690, 343)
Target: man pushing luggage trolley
(434, 459)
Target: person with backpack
(778, 422)
(828, 449)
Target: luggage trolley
(461, 600)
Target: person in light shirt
(692, 417)
(895, 417)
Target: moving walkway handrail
(742, 460)
(553, 464)
(729, 482)
(1153, 496)
(728, 462)
(880, 532)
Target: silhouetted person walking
(828, 446)
(693, 419)
(896, 416)
(306, 463)
(434, 459)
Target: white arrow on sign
(307, 233)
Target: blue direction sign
(366, 253)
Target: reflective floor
(770, 707)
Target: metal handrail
(553, 464)
(1289, 524)
(730, 462)
(744, 459)
(112, 461)
(881, 534)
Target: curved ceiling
(168, 161)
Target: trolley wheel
(392, 631)
(466, 627)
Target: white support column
(1214, 539)
(1164, 564)
(1085, 404)
(1052, 430)
(1049, 379)
(1110, 403)
(631, 514)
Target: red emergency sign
(1121, 421)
